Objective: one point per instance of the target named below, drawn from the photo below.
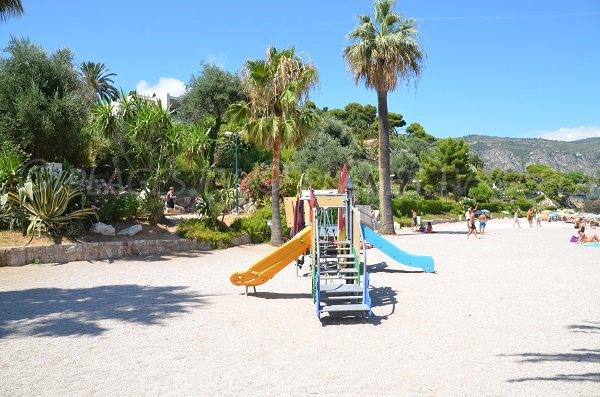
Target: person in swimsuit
(414, 220)
(472, 227)
(171, 200)
(587, 239)
(516, 222)
(482, 223)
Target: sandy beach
(514, 313)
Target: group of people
(471, 217)
(531, 215)
(418, 228)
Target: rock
(103, 229)
(183, 201)
(130, 231)
(250, 207)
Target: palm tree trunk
(385, 185)
(276, 234)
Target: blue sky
(510, 68)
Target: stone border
(20, 256)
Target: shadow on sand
(576, 356)
(587, 327)
(66, 312)
(383, 267)
(381, 298)
(279, 295)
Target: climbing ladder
(340, 283)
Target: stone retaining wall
(20, 256)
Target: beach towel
(591, 244)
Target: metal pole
(237, 187)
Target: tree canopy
(41, 105)
(382, 52)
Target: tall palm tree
(383, 52)
(9, 8)
(98, 80)
(274, 117)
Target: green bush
(365, 196)
(53, 207)
(495, 206)
(256, 225)
(197, 229)
(523, 204)
(404, 205)
(154, 208)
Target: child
(171, 200)
(429, 228)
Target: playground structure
(327, 229)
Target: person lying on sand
(587, 239)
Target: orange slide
(264, 270)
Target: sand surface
(515, 313)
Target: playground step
(341, 297)
(339, 277)
(357, 307)
(340, 288)
(348, 271)
(339, 256)
(328, 242)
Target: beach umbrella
(553, 214)
(478, 212)
(486, 211)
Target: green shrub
(523, 204)
(256, 225)
(51, 205)
(403, 206)
(154, 208)
(436, 207)
(403, 222)
(365, 196)
(495, 206)
(11, 160)
(197, 229)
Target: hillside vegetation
(517, 153)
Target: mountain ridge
(516, 153)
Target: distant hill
(517, 153)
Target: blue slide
(420, 261)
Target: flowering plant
(110, 202)
(257, 184)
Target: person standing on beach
(468, 218)
(482, 223)
(414, 220)
(472, 227)
(516, 222)
(530, 217)
(538, 219)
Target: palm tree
(98, 80)
(382, 52)
(10, 8)
(273, 117)
(477, 161)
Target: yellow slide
(264, 270)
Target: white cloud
(166, 85)
(568, 134)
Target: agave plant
(48, 201)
